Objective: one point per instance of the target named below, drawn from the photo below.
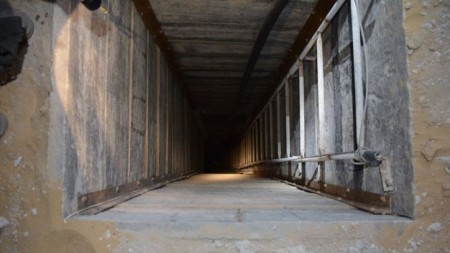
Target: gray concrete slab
(232, 198)
(243, 213)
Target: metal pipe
(357, 68)
(319, 158)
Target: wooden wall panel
(162, 117)
(152, 108)
(138, 100)
(87, 98)
(128, 124)
(117, 101)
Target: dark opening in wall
(130, 126)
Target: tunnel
(241, 109)
(243, 126)
(297, 91)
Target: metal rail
(319, 158)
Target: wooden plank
(257, 146)
(287, 119)
(271, 143)
(138, 101)
(186, 136)
(301, 83)
(262, 134)
(152, 106)
(266, 133)
(158, 112)
(162, 116)
(147, 109)
(247, 149)
(251, 144)
(254, 144)
(117, 111)
(171, 132)
(189, 144)
(87, 108)
(167, 126)
(321, 94)
(130, 94)
(278, 125)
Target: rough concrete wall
(387, 119)
(427, 26)
(388, 114)
(106, 99)
(338, 77)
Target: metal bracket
(386, 176)
(373, 158)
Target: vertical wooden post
(257, 140)
(288, 120)
(321, 94)
(158, 122)
(271, 144)
(130, 94)
(168, 124)
(147, 105)
(278, 126)
(261, 137)
(266, 134)
(301, 83)
(255, 158)
(254, 143)
(321, 102)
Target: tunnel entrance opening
(337, 122)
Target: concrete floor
(242, 213)
(233, 198)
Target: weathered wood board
(138, 99)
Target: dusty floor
(233, 198)
(30, 193)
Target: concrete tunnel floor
(233, 198)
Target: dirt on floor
(30, 190)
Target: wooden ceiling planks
(208, 44)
